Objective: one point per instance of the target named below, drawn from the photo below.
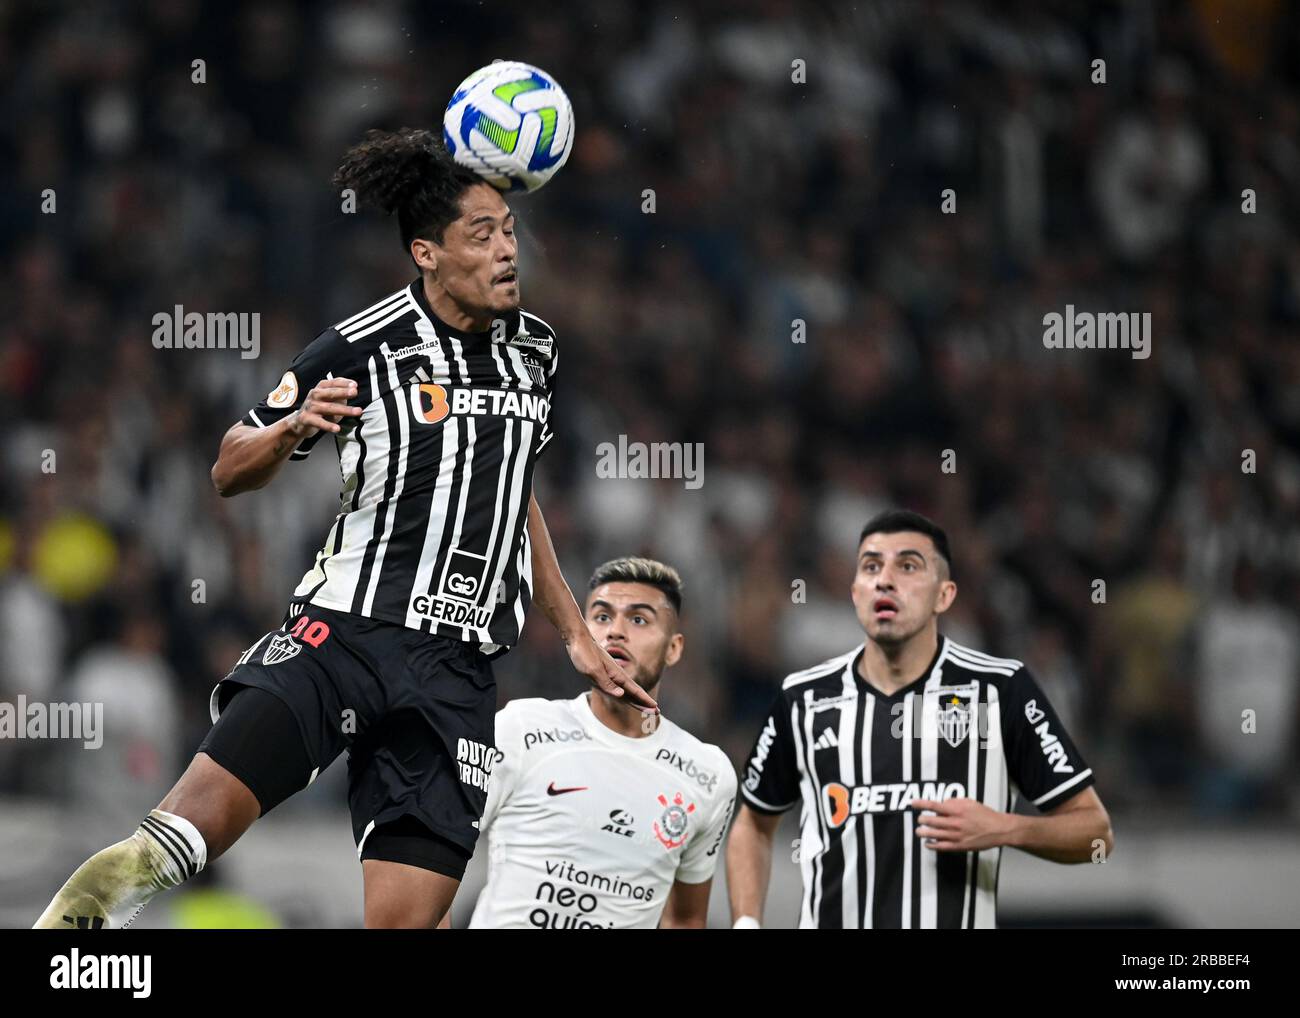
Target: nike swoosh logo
(552, 790)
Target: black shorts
(416, 712)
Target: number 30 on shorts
(313, 633)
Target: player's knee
(218, 804)
(252, 759)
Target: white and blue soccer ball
(511, 123)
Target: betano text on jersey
(436, 473)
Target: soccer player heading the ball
(438, 398)
(903, 752)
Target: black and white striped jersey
(436, 473)
(970, 727)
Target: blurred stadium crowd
(124, 579)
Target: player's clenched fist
(324, 406)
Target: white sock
(177, 844)
(113, 885)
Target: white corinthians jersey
(587, 828)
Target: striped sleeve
(1041, 757)
(327, 356)
(771, 782)
(547, 434)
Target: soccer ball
(511, 123)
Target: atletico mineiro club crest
(280, 649)
(954, 720)
(283, 646)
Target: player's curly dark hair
(409, 172)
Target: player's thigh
(278, 716)
(418, 780)
(252, 759)
(401, 896)
(411, 873)
(428, 761)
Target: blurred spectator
(1148, 631)
(1247, 693)
(139, 759)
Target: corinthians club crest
(954, 718)
(670, 828)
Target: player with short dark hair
(438, 398)
(598, 817)
(903, 753)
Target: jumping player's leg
(402, 897)
(257, 743)
(204, 814)
(415, 806)
(216, 802)
(411, 875)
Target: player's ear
(947, 595)
(425, 253)
(675, 647)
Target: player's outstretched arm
(250, 456)
(1072, 832)
(749, 862)
(553, 596)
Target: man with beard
(599, 816)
